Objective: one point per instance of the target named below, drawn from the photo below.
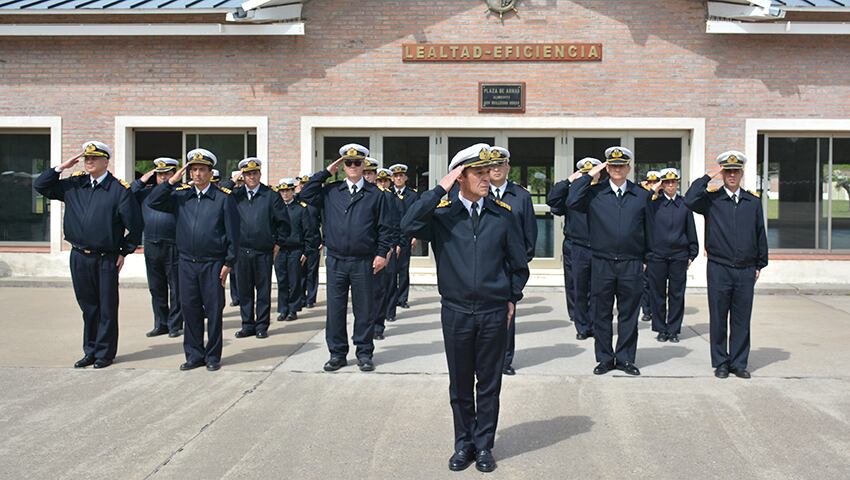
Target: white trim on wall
(54, 125)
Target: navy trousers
(234, 288)
(382, 296)
(254, 274)
(581, 259)
(475, 346)
(569, 292)
(621, 280)
(510, 340)
(730, 302)
(288, 270)
(311, 278)
(391, 303)
(667, 281)
(161, 262)
(95, 279)
(645, 296)
(201, 295)
(356, 274)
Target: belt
(88, 251)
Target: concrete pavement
(272, 413)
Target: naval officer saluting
(99, 209)
(481, 271)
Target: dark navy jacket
(302, 230)
(263, 221)
(523, 210)
(674, 234)
(617, 231)
(575, 223)
(207, 230)
(160, 227)
(396, 212)
(353, 228)
(316, 217)
(734, 234)
(475, 273)
(408, 197)
(95, 219)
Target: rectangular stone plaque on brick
(501, 97)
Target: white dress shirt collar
(468, 203)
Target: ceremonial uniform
(674, 245)
(522, 208)
(310, 275)
(652, 177)
(233, 285)
(98, 212)
(356, 230)
(481, 266)
(383, 293)
(287, 264)
(736, 243)
(207, 240)
(577, 254)
(616, 220)
(161, 259)
(400, 274)
(263, 223)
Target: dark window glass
(655, 154)
(532, 166)
(793, 169)
(840, 184)
(413, 152)
(152, 145)
(25, 216)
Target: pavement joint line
(831, 307)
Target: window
(655, 154)
(532, 167)
(415, 153)
(25, 216)
(228, 147)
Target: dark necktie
(93, 184)
(620, 196)
(735, 199)
(353, 190)
(250, 195)
(200, 194)
(475, 218)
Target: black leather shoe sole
(191, 366)
(461, 461)
(602, 369)
(331, 366)
(379, 336)
(84, 362)
(243, 334)
(737, 373)
(102, 363)
(213, 366)
(156, 333)
(673, 339)
(262, 335)
(366, 365)
(628, 369)
(581, 336)
(391, 319)
(721, 373)
(175, 334)
(509, 370)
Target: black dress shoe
(310, 305)
(234, 303)
(581, 336)
(281, 317)
(102, 363)
(460, 460)
(244, 333)
(673, 338)
(628, 368)
(391, 319)
(484, 461)
(603, 368)
(365, 364)
(175, 333)
(262, 334)
(646, 317)
(379, 336)
(157, 332)
(213, 366)
(662, 337)
(404, 305)
(721, 372)
(740, 373)
(589, 334)
(509, 370)
(292, 316)
(84, 362)
(334, 364)
(191, 365)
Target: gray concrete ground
(272, 413)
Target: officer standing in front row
(736, 243)
(207, 238)
(674, 246)
(98, 210)
(161, 258)
(522, 208)
(263, 227)
(616, 220)
(481, 272)
(293, 252)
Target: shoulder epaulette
(655, 196)
(754, 193)
(712, 189)
(274, 188)
(124, 183)
(303, 204)
(646, 187)
(225, 190)
(443, 204)
(503, 205)
(78, 173)
(183, 186)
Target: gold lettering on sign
(420, 52)
(511, 52)
(593, 52)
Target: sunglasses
(356, 163)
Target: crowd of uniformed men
(624, 243)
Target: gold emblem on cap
(161, 164)
(732, 159)
(352, 152)
(252, 164)
(198, 157)
(484, 154)
(617, 153)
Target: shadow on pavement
(397, 353)
(154, 351)
(764, 356)
(657, 355)
(401, 327)
(265, 352)
(539, 355)
(529, 300)
(533, 326)
(530, 436)
(402, 314)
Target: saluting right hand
(575, 176)
(147, 176)
(70, 162)
(178, 176)
(334, 167)
(714, 172)
(451, 177)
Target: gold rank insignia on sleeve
(655, 196)
(124, 183)
(225, 190)
(754, 193)
(78, 173)
(303, 204)
(183, 187)
(443, 204)
(503, 205)
(712, 189)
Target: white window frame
(53, 124)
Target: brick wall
(658, 62)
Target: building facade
(678, 82)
